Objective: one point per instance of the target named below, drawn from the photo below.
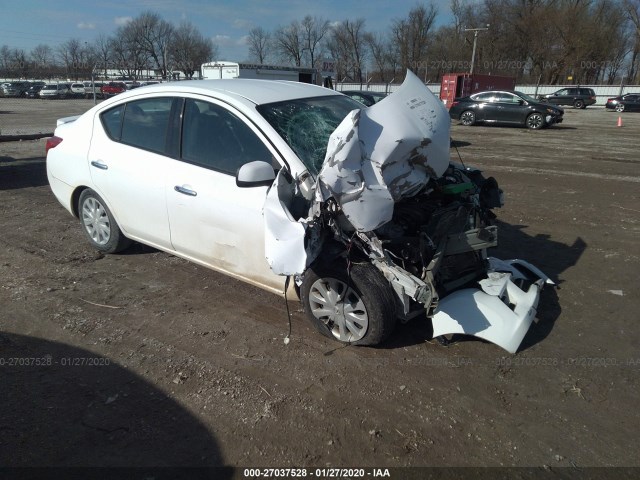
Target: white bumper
(501, 312)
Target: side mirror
(255, 174)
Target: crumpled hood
(384, 153)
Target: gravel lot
(143, 359)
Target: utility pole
(475, 40)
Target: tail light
(52, 142)
(611, 100)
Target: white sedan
(271, 180)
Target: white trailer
(221, 69)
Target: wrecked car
(272, 181)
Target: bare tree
(632, 11)
(411, 37)
(128, 55)
(379, 48)
(348, 46)
(289, 43)
(71, 56)
(103, 50)
(42, 55)
(189, 49)
(154, 36)
(314, 30)
(259, 41)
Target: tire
(467, 118)
(579, 104)
(620, 107)
(535, 121)
(99, 225)
(367, 317)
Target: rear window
(141, 123)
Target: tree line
(546, 41)
(146, 43)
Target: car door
(559, 97)
(213, 221)
(510, 107)
(488, 109)
(129, 158)
(631, 102)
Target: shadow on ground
(23, 173)
(67, 407)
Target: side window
(485, 97)
(564, 91)
(112, 122)
(215, 138)
(146, 123)
(506, 98)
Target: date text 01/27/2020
(316, 473)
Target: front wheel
(535, 121)
(356, 307)
(99, 225)
(468, 118)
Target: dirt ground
(143, 359)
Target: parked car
(112, 88)
(15, 89)
(34, 90)
(579, 97)
(625, 103)
(76, 89)
(264, 181)
(505, 107)
(364, 96)
(90, 87)
(55, 90)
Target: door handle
(99, 165)
(185, 191)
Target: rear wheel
(467, 118)
(579, 104)
(535, 121)
(620, 107)
(99, 225)
(355, 307)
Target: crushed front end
(388, 195)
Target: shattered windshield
(306, 124)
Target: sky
(27, 23)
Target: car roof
(256, 91)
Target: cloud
(222, 40)
(120, 21)
(242, 24)
(243, 40)
(86, 26)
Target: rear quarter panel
(67, 163)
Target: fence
(24, 117)
(603, 92)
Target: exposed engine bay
(387, 194)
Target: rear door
(129, 159)
(487, 109)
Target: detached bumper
(501, 312)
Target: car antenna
(458, 152)
(287, 339)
